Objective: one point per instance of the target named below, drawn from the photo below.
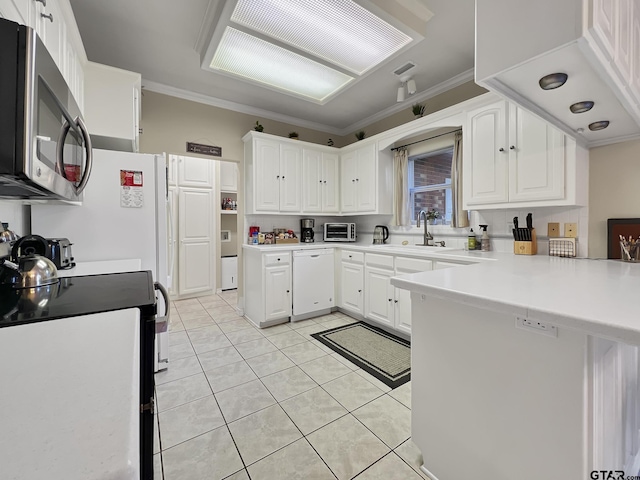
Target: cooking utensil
(31, 271)
(380, 234)
(515, 228)
(6, 235)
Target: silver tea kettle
(380, 234)
(27, 268)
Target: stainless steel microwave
(339, 232)
(45, 149)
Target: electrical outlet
(571, 230)
(553, 230)
(536, 326)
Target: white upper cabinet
(112, 107)
(273, 174)
(228, 177)
(595, 42)
(365, 185)
(320, 188)
(513, 156)
(195, 172)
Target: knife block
(527, 248)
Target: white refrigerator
(115, 221)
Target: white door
(172, 239)
(172, 169)
(486, 162)
(605, 24)
(267, 175)
(330, 187)
(351, 287)
(312, 181)
(366, 178)
(378, 295)
(55, 37)
(290, 178)
(536, 164)
(277, 292)
(195, 172)
(195, 249)
(348, 174)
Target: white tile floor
(241, 403)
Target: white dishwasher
(313, 283)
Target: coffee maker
(306, 227)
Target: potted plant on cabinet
(360, 135)
(293, 135)
(418, 109)
(258, 127)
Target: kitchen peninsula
(525, 368)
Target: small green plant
(432, 214)
(418, 109)
(330, 142)
(258, 127)
(293, 135)
(360, 135)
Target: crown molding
(235, 107)
(262, 113)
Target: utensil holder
(526, 248)
(630, 252)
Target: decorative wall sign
(131, 193)
(204, 149)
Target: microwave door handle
(60, 149)
(89, 149)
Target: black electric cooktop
(74, 296)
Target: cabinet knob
(287, 291)
(278, 259)
(320, 181)
(350, 256)
(357, 179)
(390, 299)
(50, 16)
(283, 177)
(324, 181)
(43, 2)
(354, 180)
(277, 176)
(512, 147)
(395, 301)
(359, 291)
(501, 149)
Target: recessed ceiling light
(553, 80)
(601, 125)
(581, 107)
(338, 31)
(242, 54)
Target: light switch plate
(553, 230)
(571, 230)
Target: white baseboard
(428, 473)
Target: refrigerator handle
(165, 295)
(171, 238)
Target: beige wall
(451, 97)
(614, 190)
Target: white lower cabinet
(402, 298)
(351, 296)
(378, 291)
(267, 283)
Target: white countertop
(599, 297)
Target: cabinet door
(195, 172)
(290, 178)
(366, 178)
(228, 177)
(348, 174)
(172, 169)
(312, 182)
(622, 60)
(267, 175)
(195, 230)
(378, 295)
(485, 166)
(605, 14)
(402, 298)
(172, 239)
(330, 190)
(54, 33)
(277, 292)
(536, 165)
(352, 286)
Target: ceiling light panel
(338, 31)
(242, 54)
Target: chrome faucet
(428, 238)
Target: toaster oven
(339, 232)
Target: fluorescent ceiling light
(338, 31)
(242, 54)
